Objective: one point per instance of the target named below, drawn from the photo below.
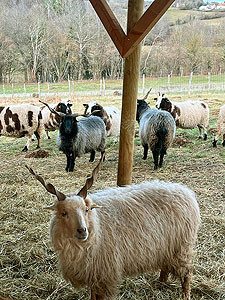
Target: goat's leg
(223, 142)
(72, 163)
(38, 139)
(145, 152)
(162, 153)
(155, 154)
(164, 274)
(67, 162)
(185, 282)
(96, 297)
(102, 153)
(92, 157)
(25, 149)
(216, 138)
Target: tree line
(53, 40)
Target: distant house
(213, 5)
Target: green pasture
(96, 85)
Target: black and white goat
(187, 114)
(21, 120)
(51, 121)
(111, 115)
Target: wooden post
(129, 100)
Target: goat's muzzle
(82, 234)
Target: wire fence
(188, 84)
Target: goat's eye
(87, 210)
(64, 213)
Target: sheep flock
(36, 262)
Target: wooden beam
(110, 23)
(129, 100)
(145, 24)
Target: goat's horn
(90, 180)
(80, 115)
(146, 96)
(49, 187)
(52, 110)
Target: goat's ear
(90, 180)
(85, 104)
(87, 202)
(155, 99)
(50, 207)
(69, 104)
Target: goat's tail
(160, 147)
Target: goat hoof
(38, 147)
(223, 143)
(199, 137)
(144, 158)
(214, 144)
(25, 149)
(205, 137)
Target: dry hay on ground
(28, 263)
(38, 154)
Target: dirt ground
(28, 264)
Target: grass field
(28, 264)
(94, 85)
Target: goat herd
(121, 231)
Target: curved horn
(49, 187)
(80, 115)
(52, 110)
(146, 96)
(90, 180)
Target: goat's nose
(81, 230)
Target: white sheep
(21, 120)
(187, 114)
(124, 231)
(111, 116)
(220, 127)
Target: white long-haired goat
(136, 229)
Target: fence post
(209, 80)
(12, 90)
(143, 84)
(39, 89)
(189, 84)
(104, 86)
(69, 86)
(72, 87)
(169, 81)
